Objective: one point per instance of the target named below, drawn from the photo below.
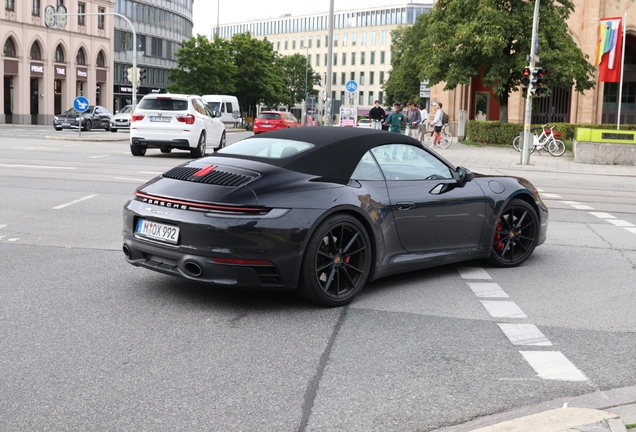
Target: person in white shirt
(437, 126)
(424, 123)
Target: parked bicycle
(546, 141)
(426, 137)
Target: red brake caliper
(498, 246)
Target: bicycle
(546, 141)
(446, 137)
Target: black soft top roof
(336, 152)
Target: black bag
(444, 118)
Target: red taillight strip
(204, 171)
(220, 208)
(238, 261)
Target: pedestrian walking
(377, 115)
(437, 125)
(424, 122)
(413, 120)
(395, 119)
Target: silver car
(121, 119)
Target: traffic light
(142, 74)
(128, 74)
(525, 77)
(539, 79)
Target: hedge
(494, 132)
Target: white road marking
(621, 223)
(473, 273)
(100, 156)
(13, 239)
(130, 179)
(36, 148)
(570, 202)
(74, 202)
(525, 334)
(36, 166)
(503, 309)
(553, 365)
(539, 190)
(631, 230)
(582, 207)
(3, 226)
(149, 172)
(486, 289)
(72, 145)
(549, 195)
(603, 215)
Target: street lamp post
(306, 78)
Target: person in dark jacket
(377, 115)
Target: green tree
(466, 38)
(404, 82)
(203, 67)
(260, 78)
(299, 75)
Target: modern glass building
(161, 27)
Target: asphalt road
(88, 342)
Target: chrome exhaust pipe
(193, 268)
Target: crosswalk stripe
(553, 365)
(525, 334)
(503, 309)
(486, 289)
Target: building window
(335, 40)
(59, 54)
(382, 57)
(100, 60)
(372, 59)
(80, 59)
(380, 97)
(317, 60)
(157, 47)
(309, 41)
(302, 42)
(371, 77)
(277, 44)
(81, 10)
(352, 76)
(353, 59)
(100, 18)
(344, 40)
(362, 55)
(335, 59)
(343, 78)
(353, 39)
(370, 98)
(363, 40)
(9, 5)
(36, 53)
(342, 97)
(372, 38)
(35, 7)
(60, 3)
(333, 78)
(317, 41)
(325, 59)
(381, 77)
(383, 37)
(286, 44)
(361, 78)
(344, 58)
(293, 43)
(361, 98)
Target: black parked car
(323, 213)
(95, 117)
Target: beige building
(361, 46)
(44, 69)
(598, 105)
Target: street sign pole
(525, 152)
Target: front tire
(516, 234)
(222, 142)
(337, 262)
(515, 143)
(556, 148)
(88, 126)
(113, 130)
(200, 149)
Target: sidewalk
(498, 158)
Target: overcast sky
(230, 11)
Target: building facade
(44, 68)
(598, 105)
(160, 26)
(361, 46)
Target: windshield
(164, 104)
(215, 106)
(125, 109)
(270, 148)
(269, 116)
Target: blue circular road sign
(351, 86)
(80, 104)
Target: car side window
(98, 111)
(406, 162)
(367, 169)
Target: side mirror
(217, 113)
(464, 175)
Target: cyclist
(437, 125)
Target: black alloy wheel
(337, 262)
(200, 148)
(88, 126)
(516, 234)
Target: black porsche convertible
(323, 211)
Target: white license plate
(157, 231)
(267, 125)
(160, 119)
(66, 124)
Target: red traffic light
(525, 80)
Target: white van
(228, 106)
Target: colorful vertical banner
(609, 43)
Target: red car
(274, 120)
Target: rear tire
(200, 149)
(222, 142)
(113, 130)
(137, 150)
(447, 140)
(556, 148)
(166, 149)
(516, 142)
(516, 234)
(336, 263)
(88, 126)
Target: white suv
(175, 121)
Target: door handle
(405, 205)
